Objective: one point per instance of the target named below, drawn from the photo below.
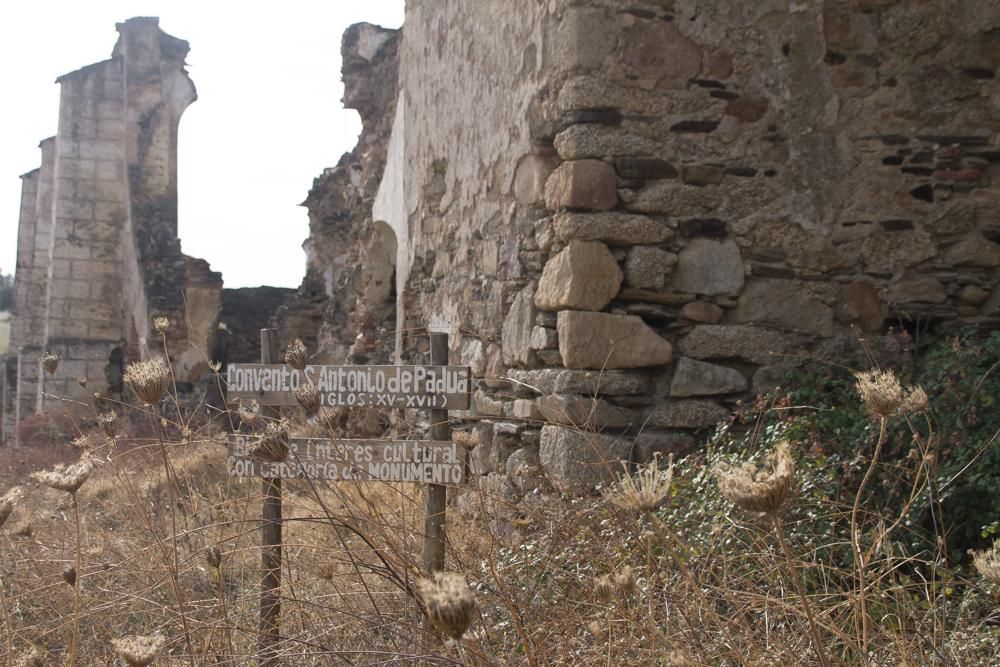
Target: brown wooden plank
(416, 387)
(363, 460)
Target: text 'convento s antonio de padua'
(442, 387)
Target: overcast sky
(267, 121)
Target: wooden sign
(430, 461)
(439, 387)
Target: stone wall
(98, 254)
(631, 215)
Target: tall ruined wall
(98, 254)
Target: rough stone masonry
(630, 214)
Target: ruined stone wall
(98, 254)
(636, 210)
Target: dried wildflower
(161, 324)
(138, 651)
(69, 575)
(66, 478)
(331, 418)
(249, 412)
(272, 445)
(624, 580)
(213, 557)
(465, 439)
(108, 422)
(216, 366)
(6, 507)
(988, 562)
(595, 629)
(604, 588)
(308, 397)
(645, 490)
(50, 363)
(295, 354)
(449, 603)
(83, 443)
(885, 397)
(759, 489)
(82, 380)
(148, 379)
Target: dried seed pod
(148, 379)
(213, 557)
(82, 380)
(66, 478)
(987, 562)
(6, 507)
(308, 397)
(50, 363)
(759, 489)
(604, 588)
(295, 354)
(249, 412)
(272, 445)
(138, 651)
(108, 422)
(644, 491)
(449, 603)
(69, 575)
(161, 324)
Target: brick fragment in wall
(582, 184)
(575, 462)
(611, 228)
(601, 340)
(584, 275)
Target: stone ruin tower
(98, 254)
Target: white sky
(268, 118)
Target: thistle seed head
(449, 603)
(148, 379)
(987, 562)
(885, 397)
(308, 397)
(50, 363)
(108, 422)
(66, 478)
(161, 324)
(272, 445)
(644, 491)
(249, 412)
(759, 489)
(138, 651)
(295, 354)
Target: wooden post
(436, 493)
(270, 528)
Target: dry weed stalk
(138, 650)
(148, 380)
(272, 445)
(449, 603)
(108, 423)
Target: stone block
(588, 413)
(658, 51)
(860, 304)
(647, 267)
(584, 275)
(543, 338)
(530, 176)
(700, 378)
(590, 140)
(601, 340)
(611, 228)
(885, 252)
(701, 311)
(582, 184)
(524, 469)
(707, 266)
(583, 38)
(484, 405)
(974, 250)
(517, 325)
(601, 383)
(727, 341)
(527, 409)
(783, 303)
(911, 287)
(575, 462)
(650, 443)
(694, 413)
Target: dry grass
(662, 568)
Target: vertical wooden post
(270, 528)
(436, 493)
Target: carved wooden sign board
(422, 387)
(427, 461)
